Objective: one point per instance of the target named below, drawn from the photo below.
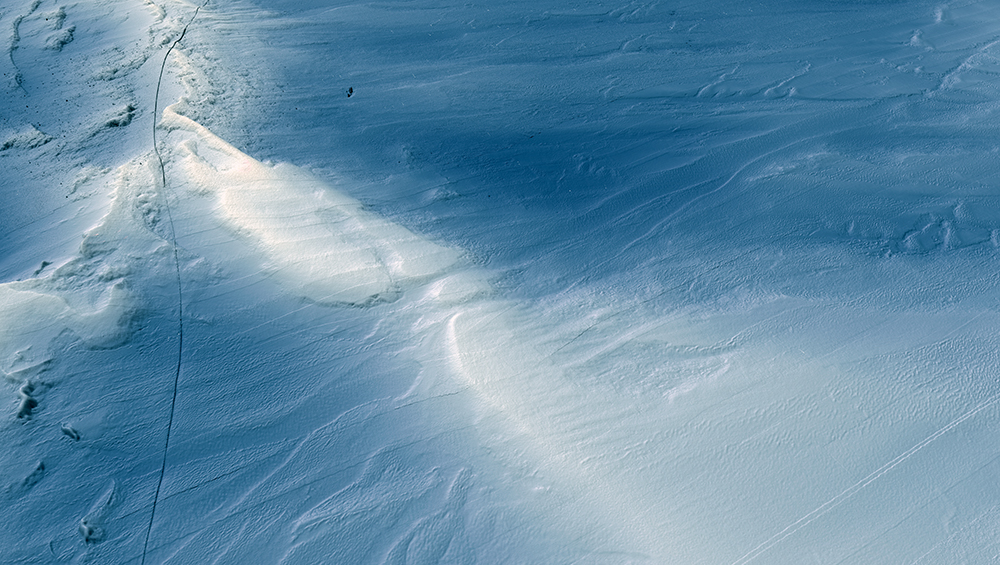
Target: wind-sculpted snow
(87, 297)
(36, 318)
(528, 283)
(321, 243)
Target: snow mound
(319, 242)
(90, 297)
(28, 137)
(34, 317)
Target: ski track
(856, 487)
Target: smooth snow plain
(513, 282)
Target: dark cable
(180, 292)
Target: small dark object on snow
(90, 532)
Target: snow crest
(318, 241)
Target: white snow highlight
(319, 242)
(32, 319)
(87, 294)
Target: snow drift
(523, 283)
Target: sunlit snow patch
(32, 319)
(87, 296)
(323, 245)
(319, 242)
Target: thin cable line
(180, 290)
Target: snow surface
(520, 282)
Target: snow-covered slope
(519, 282)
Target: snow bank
(33, 319)
(28, 138)
(88, 295)
(319, 242)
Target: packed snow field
(515, 282)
